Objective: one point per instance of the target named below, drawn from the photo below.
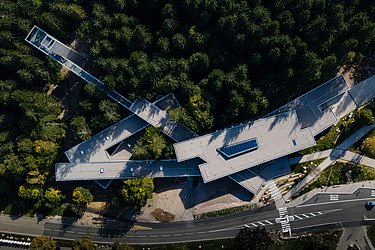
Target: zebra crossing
(306, 216)
(284, 220)
(259, 223)
(274, 190)
(333, 197)
(372, 193)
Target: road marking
(372, 193)
(154, 236)
(129, 236)
(165, 235)
(48, 229)
(255, 225)
(298, 217)
(141, 236)
(320, 213)
(305, 215)
(312, 214)
(189, 233)
(82, 233)
(201, 232)
(57, 230)
(71, 232)
(177, 234)
(261, 223)
(333, 197)
(268, 222)
(94, 234)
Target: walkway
(334, 155)
(67, 57)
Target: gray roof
(160, 118)
(364, 91)
(94, 149)
(125, 169)
(248, 179)
(314, 109)
(277, 135)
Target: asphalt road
(320, 212)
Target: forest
(226, 61)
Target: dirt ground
(171, 197)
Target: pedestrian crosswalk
(333, 197)
(274, 190)
(259, 223)
(372, 193)
(307, 215)
(284, 220)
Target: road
(323, 210)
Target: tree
(85, 243)
(52, 198)
(364, 117)
(249, 239)
(151, 145)
(135, 192)
(81, 197)
(43, 243)
(121, 246)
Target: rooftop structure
(125, 169)
(276, 136)
(94, 149)
(314, 109)
(70, 59)
(364, 91)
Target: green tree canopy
(252, 238)
(43, 242)
(135, 192)
(85, 243)
(82, 196)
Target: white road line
(82, 233)
(312, 214)
(268, 222)
(255, 225)
(94, 234)
(154, 236)
(165, 235)
(298, 217)
(189, 233)
(305, 215)
(201, 232)
(48, 229)
(177, 234)
(57, 230)
(261, 223)
(141, 236)
(129, 236)
(320, 213)
(71, 232)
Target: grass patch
(308, 166)
(224, 212)
(336, 175)
(339, 133)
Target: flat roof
(160, 118)
(364, 91)
(94, 149)
(125, 169)
(277, 136)
(248, 179)
(314, 108)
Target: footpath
(334, 155)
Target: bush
(364, 117)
